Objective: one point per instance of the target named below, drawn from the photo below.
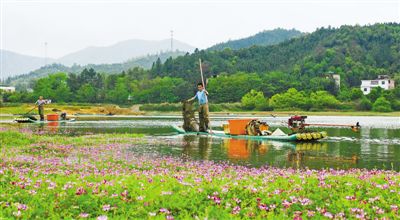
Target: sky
(68, 26)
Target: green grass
(15, 139)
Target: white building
(335, 77)
(383, 81)
(7, 88)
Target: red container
(238, 126)
(52, 117)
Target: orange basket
(52, 117)
(238, 126)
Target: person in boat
(201, 96)
(40, 103)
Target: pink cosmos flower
(236, 210)
(124, 193)
(106, 207)
(297, 215)
(328, 215)
(52, 185)
(84, 215)
(305, 201)
(340, 215)
(80, 191)
(21, 206)
(286, 204)
(263, 207)
(164, 210)
(102, 217)
(17, 214)
(237, 200)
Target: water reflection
(321, 154)
(371, 148)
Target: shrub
(356, 93)
(291, 99)
(396, 105)
(254, 100)
(382, 105)
(365, 104)
(323, 100)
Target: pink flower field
(98, 177)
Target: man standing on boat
(40, 103)
(201, 96)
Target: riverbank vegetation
(99, 176)
(220, 109)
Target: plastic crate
(238, 126)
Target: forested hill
(145, 62)
(354, 52)
(264, 38)
(295, 74)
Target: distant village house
(7, 88)
(383, 81)
(335, 77)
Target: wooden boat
(313, 136)
(29, 120)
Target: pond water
(376, 145)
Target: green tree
(87, 93)
(365, 104)
(120, 93)
(381, 105)
(159, 90)
(231, 88)
(375, 94)
(323, 100)
(356, 93)
(291, 99)
(254, 100)
(53, 87)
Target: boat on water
(30, 120)
(298, 137)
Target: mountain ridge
(262, 38)
(14, 64)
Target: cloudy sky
(71, 25)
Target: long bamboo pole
(201, 72)
(204, 85)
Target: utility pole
(172, 41)
(45, 53)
